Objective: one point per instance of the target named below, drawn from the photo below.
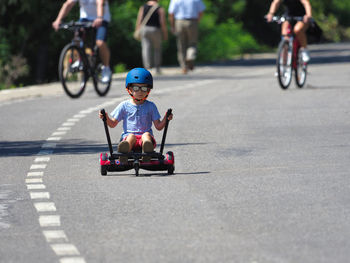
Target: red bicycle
(289, 57)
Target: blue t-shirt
(137, 119)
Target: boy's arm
(111, 122)
(160, 124)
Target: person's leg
(300, 32)
(181, 44)
(157, 49)
(146, 47)
(101, 38)
(192, 35)
(125, 146)
(285, 29)
(147, 146)
(104, 52)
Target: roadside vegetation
(30, 48)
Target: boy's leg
(147, 146)
(125, 146)
(131, 139)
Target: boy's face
(139, 91)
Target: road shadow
(69, 147)
(326, 87)
(31, 148)
(153, 174)
(20, 148)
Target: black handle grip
(165, 130)
(168, 113)
(103, 112)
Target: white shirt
(186, 9)
(88, 10)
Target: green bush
(11, 70)
(223, 41)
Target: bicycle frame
(295, 44)
(79, 41)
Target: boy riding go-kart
(136, 149)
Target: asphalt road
(262, 174)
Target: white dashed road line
(49, 219)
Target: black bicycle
(79, 60)
(289, 56)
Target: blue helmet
(139, 76)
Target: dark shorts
(101, 32)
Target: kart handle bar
(103, 112)
(168, 113)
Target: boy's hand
(170, 117)
(100, 115)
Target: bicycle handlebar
(73, 25)
(281, 19)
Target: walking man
(184, 16)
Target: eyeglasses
(137, 88)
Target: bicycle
(289, 56)
(78, 62)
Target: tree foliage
(30, 48)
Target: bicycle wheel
(300, 71)
(71, 71)
(284, 64)
(101, 88)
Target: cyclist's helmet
(139, 76)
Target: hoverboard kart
(159, 162)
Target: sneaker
(123, 147)
(305, 55)
(147, 147)
(76, 65)
(106, 74)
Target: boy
(137, 115)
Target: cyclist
(137, 115)
(98, 12)
(295, 8)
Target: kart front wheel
(171, 169)
(103, 170)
